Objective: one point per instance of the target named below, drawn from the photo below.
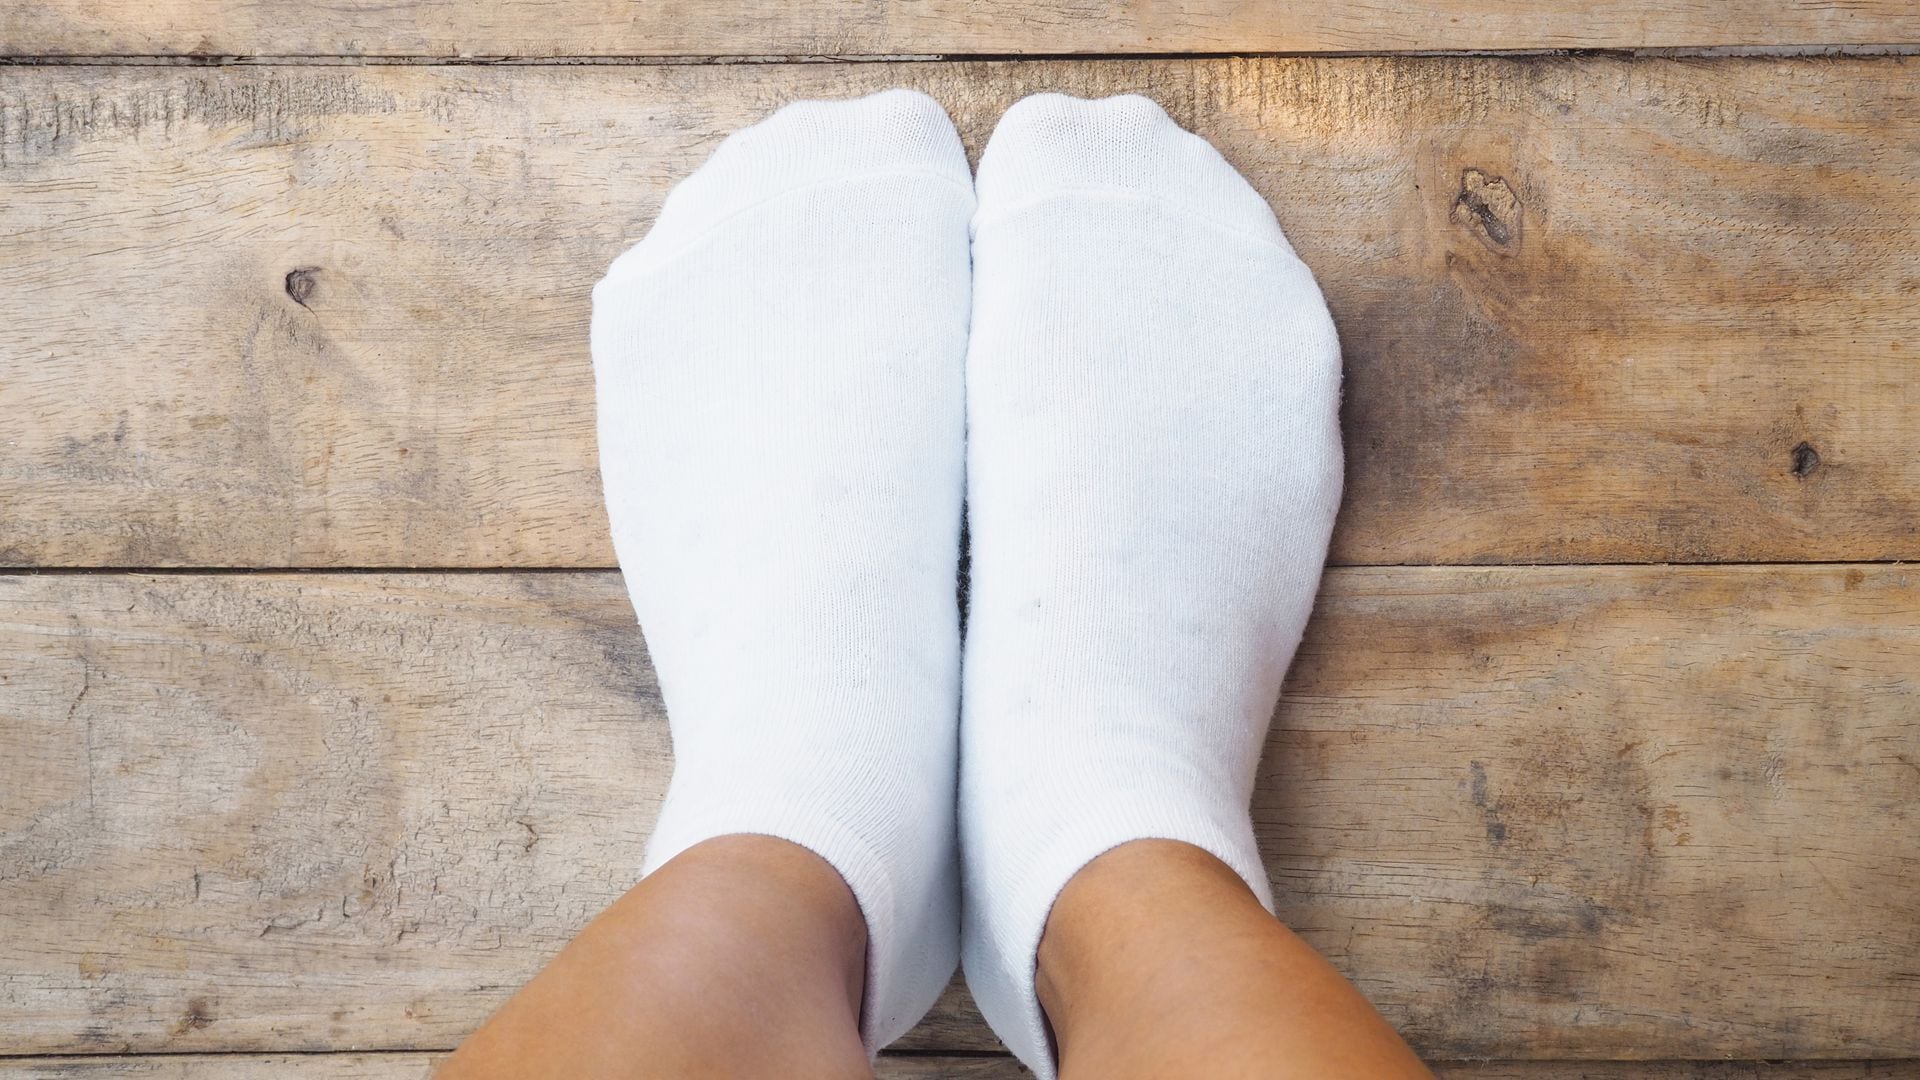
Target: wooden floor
(323, 720)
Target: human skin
(745, 956)
(1158, 961)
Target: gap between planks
(1694, 52)
(936, 27)
(239, 571)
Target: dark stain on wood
(198, 1016)
(1805, 460)
(1490, 811)
(301, 282)
(1489, 210)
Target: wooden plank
(419, 1066)
(1552, 813)
(1594, 309)
(416, 1066)
(224, 1067)
(1682, 1070)
(444, 28)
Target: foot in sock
(1153, 469)
(779, 377)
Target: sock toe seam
(1171, 207)
(644, 260)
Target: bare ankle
(1141, 888)
(1158, 960)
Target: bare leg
(1157, 961)
(744, 956)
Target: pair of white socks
(1104, 343)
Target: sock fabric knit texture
(1153, 469)
(779, 375)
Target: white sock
(1153, 467)
(779, 367)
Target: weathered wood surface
(1552, 813)
(445, 28)
(416, 1066)
(419, 1066)
(1594, 309)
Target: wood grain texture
(1594, 309)
(445, 28)
(419, 1066)
(1552, 813)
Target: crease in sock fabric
(779, 377)
(1153, 470)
